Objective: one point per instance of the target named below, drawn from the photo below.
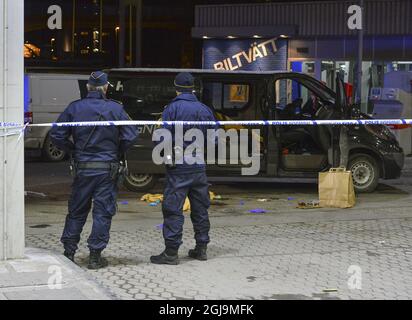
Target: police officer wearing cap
(184, 179)
(96, 153)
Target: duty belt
(94, 165)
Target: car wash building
(313, 38)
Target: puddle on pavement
(387, 189)
(40, 226)
(218, 203)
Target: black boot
(96, 261)
(69, 255)
(198, 253)
(169, 256)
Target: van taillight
(28, 117)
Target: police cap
(184, 82)
(98, 79)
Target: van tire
(50, 152)
(365, 172)
(137, 182)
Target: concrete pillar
(11, 110)
(366, 67)
(318, 69)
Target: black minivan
(371, 151)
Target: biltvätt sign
(255, 52)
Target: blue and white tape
(10, 125)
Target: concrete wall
(11, 110)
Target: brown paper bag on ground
(336, 189)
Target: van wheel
(50, 152)
(365, 172)
(137, 182)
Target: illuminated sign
(256, 51)
(245, 54)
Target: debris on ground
(214, 196)
(217, 197)
(34, 194)
(330, 290)
(218, 203)
(151, 197)
(263, 200)
(155, 199)
(154, 204)
(242, 203)
(308, 205)
(258, 211)
(291, 199)
(124, 203)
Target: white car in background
(46, 97)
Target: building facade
(308, 37)
(111, 33)
(71, 33)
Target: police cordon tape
(21, 128)
(17, 129)
(355, 122)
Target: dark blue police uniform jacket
(92, 186)
(186, 107)
(106, 142)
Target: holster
(118, 172)
(114, 170)
(73, 168)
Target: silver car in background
(46, 97)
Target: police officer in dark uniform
(184, 179)
(96, 156)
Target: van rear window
(144, 97)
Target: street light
(52, 46)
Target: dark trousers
(177, 188)
(100, 190)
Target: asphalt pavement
(284, 253)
